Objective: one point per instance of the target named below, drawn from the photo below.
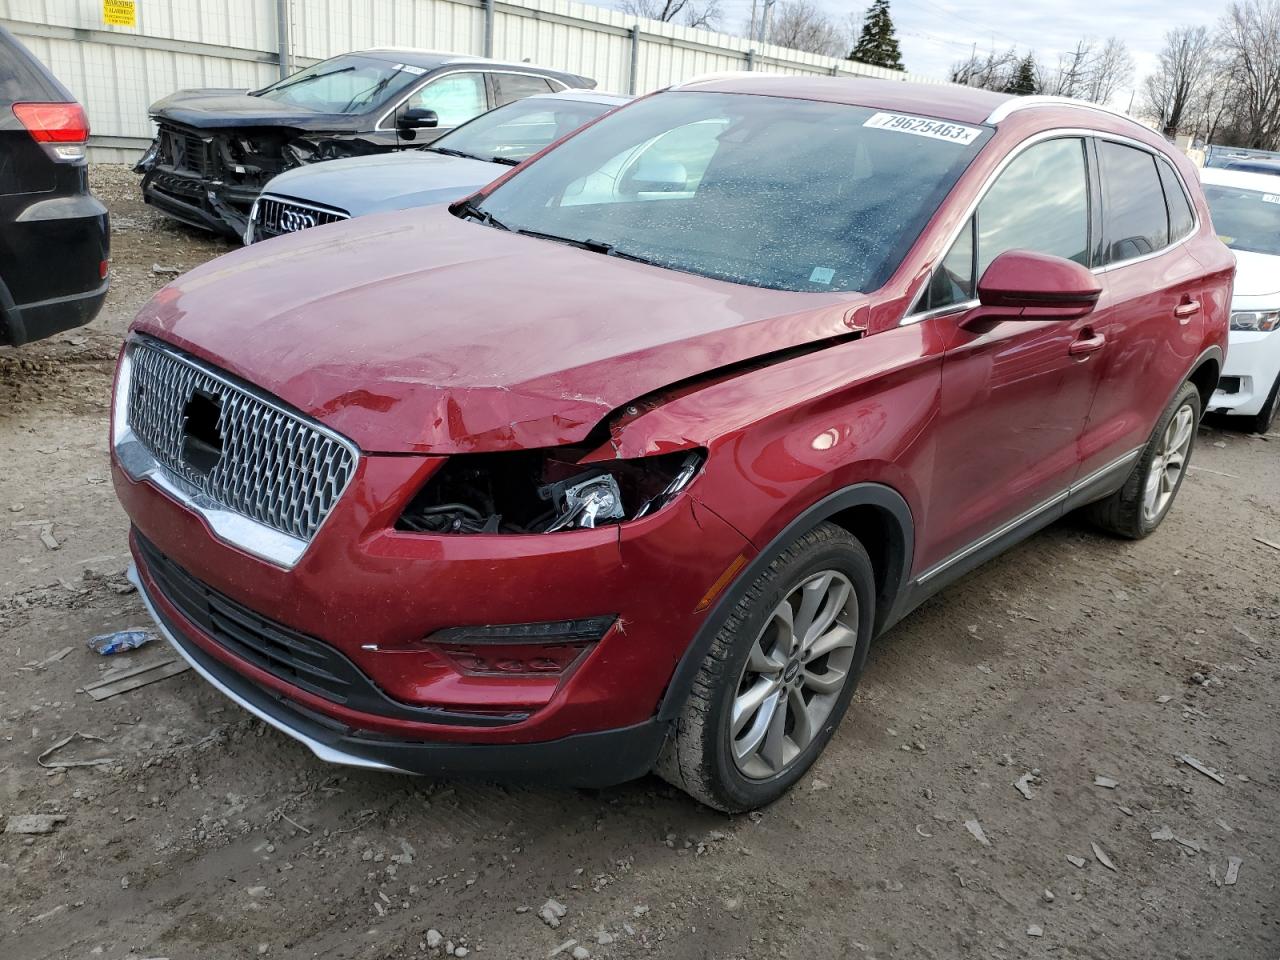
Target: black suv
(53, 231)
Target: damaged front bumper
(211, 205)
(210, 180)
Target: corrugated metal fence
(117, 72)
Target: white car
(1246, 215)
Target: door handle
(1188, 308)
(1088, 343)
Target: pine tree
(878, 44)
(1025, 78)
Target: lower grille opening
(296, 658)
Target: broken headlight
(545, 491)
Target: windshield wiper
(307, 79)
(469, 210)
(369, 95)
(450, 152)
(595, 246)
(508, 161)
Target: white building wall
(117, 72)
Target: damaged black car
(216, 149)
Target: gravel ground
(1074, 657)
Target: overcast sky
(936, 33)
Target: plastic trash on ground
(106, 644)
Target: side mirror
(1021, 285)
(416, 118)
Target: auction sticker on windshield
(923, 127)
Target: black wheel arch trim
(12, 330)
(896, 576)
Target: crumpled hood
(389, 181)
(218, 107)
(419, 332)
(1257, 274)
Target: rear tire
(1265, 417)
(1137, 508)
(778, 677)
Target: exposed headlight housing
(1256, 321)
(545, 491)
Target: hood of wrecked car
(390, 181)
(214, 108)
(419, 332)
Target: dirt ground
(209, 835)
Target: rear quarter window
(1181, 219)
(21, 75)
(1135, 219)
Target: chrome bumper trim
(323, 751)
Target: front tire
(1265, 417)
(1137, 508)
(778, 677)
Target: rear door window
(1135, 219)
(509, 87)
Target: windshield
(346, 84)
(519, 130)
(769, 191)
(1246, 220)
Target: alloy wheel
(1169, 462)
(791, 681)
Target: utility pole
(764, 19)
(751, 33)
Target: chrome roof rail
(1014, 104)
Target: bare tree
(1110, 69)
(990, 71)
(800, 25)
(1172, 92)
(1249, 36)
(692, 13)
(1071, 77)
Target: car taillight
(61, 128)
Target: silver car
(450, 168)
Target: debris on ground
(1195, 764)
(1102, 856)
(975, 828)
(1233, 871)
(1035, 930)
(33, 823)
(1106, 783)
(47, 537)
(563, 948)
(1076, 861)
(160, 270)
(434, 938)
(1268, 543)
(1023, 784)
(108, 644)
(1164, 833)
(63, 764)
(52, 658)
(552, 912)
(922, 832)
(1048, 896)
(115, 682)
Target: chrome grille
(272, 217)
(269, 465)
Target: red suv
(620, 464)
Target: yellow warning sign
(120, 13)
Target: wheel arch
(1205, 372)
(874, 513)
